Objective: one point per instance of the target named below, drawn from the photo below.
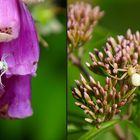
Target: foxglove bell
(22, 54)
(15, 97)
(19, 53)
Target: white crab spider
(132, 72)
(135, 79)
(3, 68)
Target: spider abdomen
(135, 79)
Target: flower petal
(15, 97)
(22, 54)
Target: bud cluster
(118, 56)
(81, 20)
(119, 62)
(98, 102)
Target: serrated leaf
(94, 132)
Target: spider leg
(1, 85)
(128, 94)
(5, 56)
(123, 76)
(3, 72)
(123, 70)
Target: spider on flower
(3, 68)
(131, 71)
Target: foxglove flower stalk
(19, 58)
(81, 20)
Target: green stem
(77, 62)
(119, 133)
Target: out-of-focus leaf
(134, 129)
(94, 132)
(102, 31)
(72, 128)
(53, 26)
(42, 14)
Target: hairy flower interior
(5, 34)
(7, 30)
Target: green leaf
(135, 130)
(72, 128)
(94, 132)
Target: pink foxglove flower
(22, 54)
(19, 57)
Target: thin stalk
(77, 62)
(129, 134)
(119, 133)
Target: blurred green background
(49, 87)
(119, 16)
